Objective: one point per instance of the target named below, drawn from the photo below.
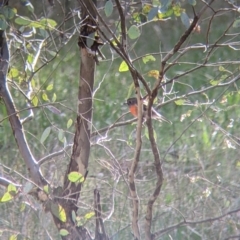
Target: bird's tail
(160, 117)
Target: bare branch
(157, 234)
(5, 182)
(100, 232)
(133, 190)
(16, 124)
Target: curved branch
(5, 182)
(157, 234)
(16, 124)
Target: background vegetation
(199, 197)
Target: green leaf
(44, 33)
(23, 21)
(3, 23)
(6, 197)
(54, 97)
(36, 25)
(205, 137)
(214, 82)
(45, 97)
(49, 87)
(123, 67)
(185, 19)
(13, 72)
(153, 13)
(89, 215)
(63, 232)
(73, 216)
(108, 8)
(34, 101)
(11, 188)
(58, 212)
(75, 177)
(9, 12)
(49, 23)
(192, 2)
(179, 102)
(69, 123)
(46, 189)
(148, 58)
(133, 32)
(45, 134)
(166, 14)
(61, 135)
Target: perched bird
(133, 109)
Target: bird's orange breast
(133, 110)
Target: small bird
(133, 109)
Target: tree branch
(159, 233)
(18, 132)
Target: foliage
(198, 93)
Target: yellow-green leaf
(62, 213)
(13, 237)
(49, 87)
(146, 8)
(214, 82)
(46, 189)
(58, 212)
(35, 101)
(123, 67)
(75, 177)
(54, 97)
(179, 102)
(89, 215)
(11, 188)
(63, 232)
(69, 123)
(46, 22)
(148, 58)
(45, 97)
(6, 197)
(13, 72)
